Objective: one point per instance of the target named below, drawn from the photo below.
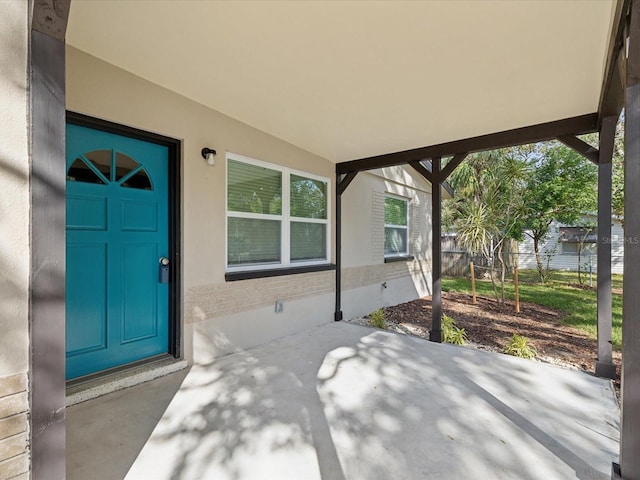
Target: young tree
(585, 231)
(488, 206)
(562, 186)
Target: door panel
(117, 230)
(139, 216)
(139, 276)
(86, 308)
(86, 212)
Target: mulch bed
(489, 326)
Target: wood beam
(612, 90)
(630, 433)
(50, 17)
(509, 138)
(452, 165)
(344, 182)
(582, 147)
(422, 170)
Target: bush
(377, 319)
(451, 333)
(519, 346)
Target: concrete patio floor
(344, 401)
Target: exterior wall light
(208, 154)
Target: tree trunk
(536, 249)
(493, 280)
(502, 272)
(580, 263)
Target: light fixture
(208, 154)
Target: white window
(396, 227)
(571, 248)
(276, 217)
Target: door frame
(175, 244)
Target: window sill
(276, 272)
(403, 258)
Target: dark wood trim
(174, 153)
(629, 431)
(509, 138)
(582, 147)
(612, 90)
(452, 165)
(337, 313)
(276, 272)
(345, 182)
(47, 289)
(175, 248)
(422, 169)
(435, 334)
(401, 258)
(119, 129)
(50, 17)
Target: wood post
(604, 366)
(435, 334)
(629, 431)
(47, 249)
(473, 284)
(515, 286)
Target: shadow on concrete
(105, 435)
(347, 402)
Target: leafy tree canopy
(502, 194)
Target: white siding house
(561, 249)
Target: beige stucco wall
(368, 282)
(14, 190)
(14, 239)
(219, 316)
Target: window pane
(251, 241)
(574, 247)
(102, 161)
(395, 211)
(124, 164)
(308, 198)
(139, 180)
(308, 241)
(395, 241)
(253, 189)
(80, 172)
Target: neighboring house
(561, 248)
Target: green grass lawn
(580, 305)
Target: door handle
(163, 276)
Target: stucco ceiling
(347, 80)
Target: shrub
(377, 319)
(519, 346)
(451, 333)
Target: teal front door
(117, 298)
